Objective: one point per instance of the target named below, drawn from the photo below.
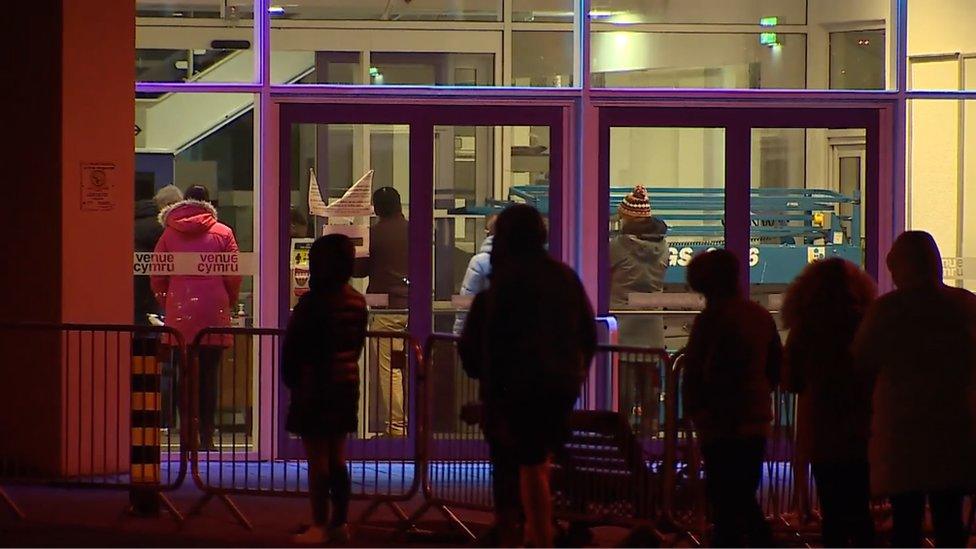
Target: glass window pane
(542, 59)
(543, 11)
(787, 12)
(857, 60)
(942, 182)
(311, 56)
(187, 139)
(477, 171)
(327, 160)
(387, 10)
(177, 41)
(807, 203)
(683, 171)
(625, 59)
(940, 28)
(768, 44)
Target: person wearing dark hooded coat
(529, 339)
(920, 342)
(638, 261)
(320, 366)
(732, 363)
(148, 229)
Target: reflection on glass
(542, 59)
(857, 60)
(387, 10)
(625, 59)
(206, 41)
(196, 9)
(744, 12)
(543, 11)
(807, 203)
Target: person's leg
(537, 503)
(208, 378)
(946, 509)
(907, 513)
(830, 491)
(719, 490)
(339, 482)
(390, 379)
(506, 491)
(317, 453)
(860, 523)
(751, 453)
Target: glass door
(444, 171)
(757, 181)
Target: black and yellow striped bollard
(146, 436)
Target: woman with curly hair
(823, 310)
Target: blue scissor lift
(790, 227)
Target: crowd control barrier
(611, 470)
(98, 407)
(240, 406)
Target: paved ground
(97, 518)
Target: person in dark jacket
(920, 342)
(823, 309)
(732, 363)
(529, 338)
(638, 261)
(320, 367)
(387, 268)
(148, 229)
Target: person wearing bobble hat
(638, 261)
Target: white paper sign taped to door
(359, 234)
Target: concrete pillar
(66, 220)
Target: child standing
(320, 366)
(732, 364)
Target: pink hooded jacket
(195, 302)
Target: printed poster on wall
(97, 186)
(299, 267)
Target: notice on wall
(194, 263)
(359, 234)
(98, 187)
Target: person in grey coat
(638, 261)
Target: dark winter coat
(529, 338)
(320, 361)
(834, 410)
(732, 364)
(387, 265)
(147, 232)
(921, 343)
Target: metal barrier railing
(119, 390)
(132, 416)
(611, 471)
(242, 447)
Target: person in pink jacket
(194, 302)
